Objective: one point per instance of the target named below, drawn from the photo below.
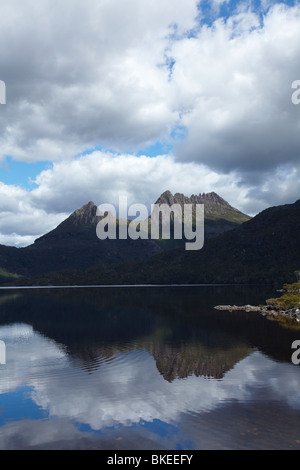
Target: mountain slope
(216, 208)
(75, 245)
(265, 249)
(219, 215)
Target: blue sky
(137, 98)
(21, 173)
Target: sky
(106, 98)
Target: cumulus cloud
(21, 222)
(103, 177)
(80, 74)
(86, 75)
(90, 74)
(237, 95)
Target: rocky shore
(292, 314)
(286, 307)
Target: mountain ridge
(264, 249)
(215, 205)
(193, 199)
(74, 245)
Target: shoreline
(291, 314)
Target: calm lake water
(145, 368)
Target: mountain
(75, 245)
(219, 215)
(264, 249)
(216, 208)
(72, 245)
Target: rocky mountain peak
(216, 208)
(85, 215)
(209, 198)
(206, 198)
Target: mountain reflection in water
(145, 368)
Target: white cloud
(80, 74)
(21, 222)
(86, 74)
(97, 74)
(102, 177)
(237, 94)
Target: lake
(145, 368)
